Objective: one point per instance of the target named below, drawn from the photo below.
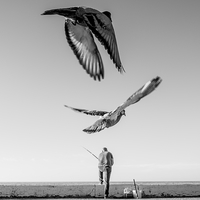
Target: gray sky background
(158, 140)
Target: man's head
(105, 149)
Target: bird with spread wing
(108, 119)
(80, 23)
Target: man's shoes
(105, 196)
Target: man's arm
(112, 159)
(101, 165)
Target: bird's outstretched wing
(146, 89)
(98, 126)
(101, 26)
(82, 43)
(88, 112)
(65, 12)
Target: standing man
(106, 162)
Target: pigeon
(81, 23)
(108, 119)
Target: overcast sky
(158, 140)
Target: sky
(158, 140)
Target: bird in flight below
(80, 23)
(108, 119)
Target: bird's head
(123, 112)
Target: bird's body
(80, 23)
(108, 119)
(111, 122)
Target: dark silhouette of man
(106, 162)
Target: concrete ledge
(170, 190)
(154, 190)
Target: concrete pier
(148, 190)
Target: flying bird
(80, 23)
(108, 119)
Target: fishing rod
(91, 153)
(135, 188)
